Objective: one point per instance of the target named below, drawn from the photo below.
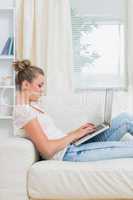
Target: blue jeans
(106, 145)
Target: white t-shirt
(25, 113)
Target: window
(98, 51)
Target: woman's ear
(25, 85)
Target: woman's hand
(86, 129)
(49, 147)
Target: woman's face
(36, 88)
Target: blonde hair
(25, 71)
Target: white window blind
(99, 45)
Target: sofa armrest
(16, 157)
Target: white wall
(6, 3)
(71, 111)
(111, 8)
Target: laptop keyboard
(99, 127)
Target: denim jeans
(106, 145)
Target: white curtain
(31, 23)
(43, 32)
(59, 55)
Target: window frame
(120, 83)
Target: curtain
(43, 35)
(59, 54)
(31, 26)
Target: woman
(53, 143)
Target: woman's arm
(49, 147)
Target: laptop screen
(108, 106)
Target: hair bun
(21, 65)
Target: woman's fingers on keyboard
(92, 125)
(88, 125)
(89, 129)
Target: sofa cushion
(98, 179)
(16, 157)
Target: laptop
(107, 119)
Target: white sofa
(24, 176)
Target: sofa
(25, 176)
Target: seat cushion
(110, 179)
